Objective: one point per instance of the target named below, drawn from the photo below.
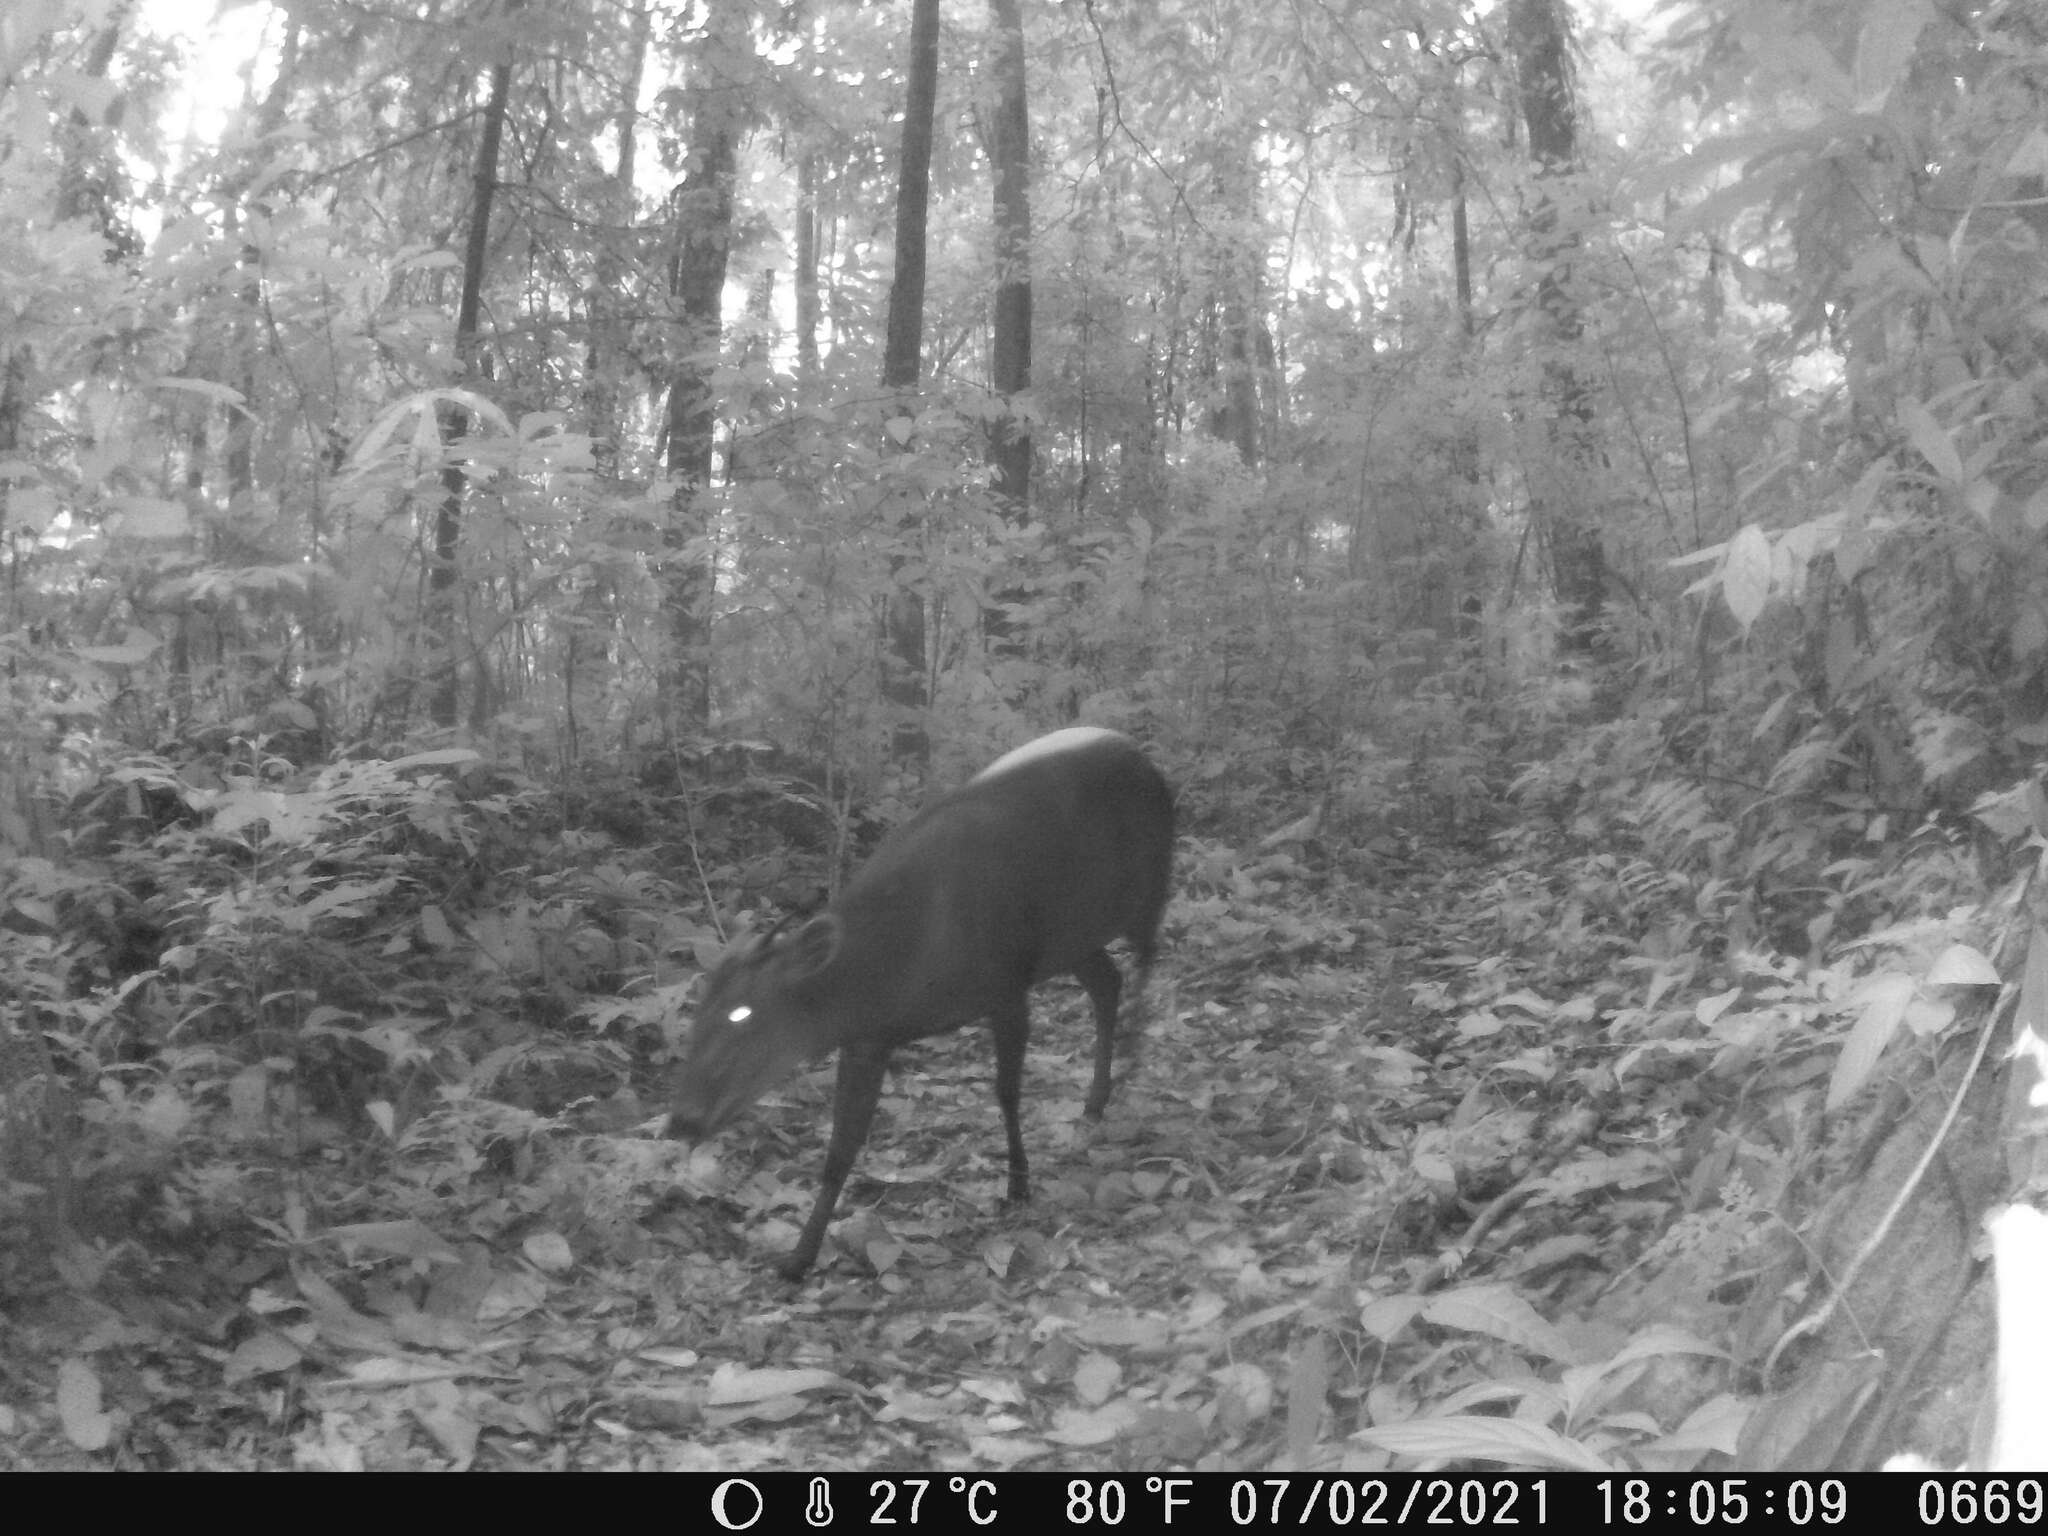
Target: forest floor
(1344, 1182)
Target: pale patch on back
(1072, 739)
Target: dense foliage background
(490, 493)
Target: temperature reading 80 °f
(1095, 1503)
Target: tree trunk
(806, 277)
(441, 579)
(903, 682)
(608, 327)
(1009, 432)
(913, 201)
(590, 645)
(703, 234)
(1461, 244)
(1010, 362)
(1235, 416)
(1560, 501)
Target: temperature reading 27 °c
(900, 1501)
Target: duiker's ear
(811, 948)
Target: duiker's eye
(739, 1015)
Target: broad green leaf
(1960, 965)
(1881, 1006)
(1498, 1312)
(1930, 440)
(1746, 579)
(1891, 29)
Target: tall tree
(1234, 416)
(1561, 496)
(589, 639)
(806, 277)
(1009, 429)
(608, 325)
(470, 362)
(703, 212)
(904, 615)
(1010, 352)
